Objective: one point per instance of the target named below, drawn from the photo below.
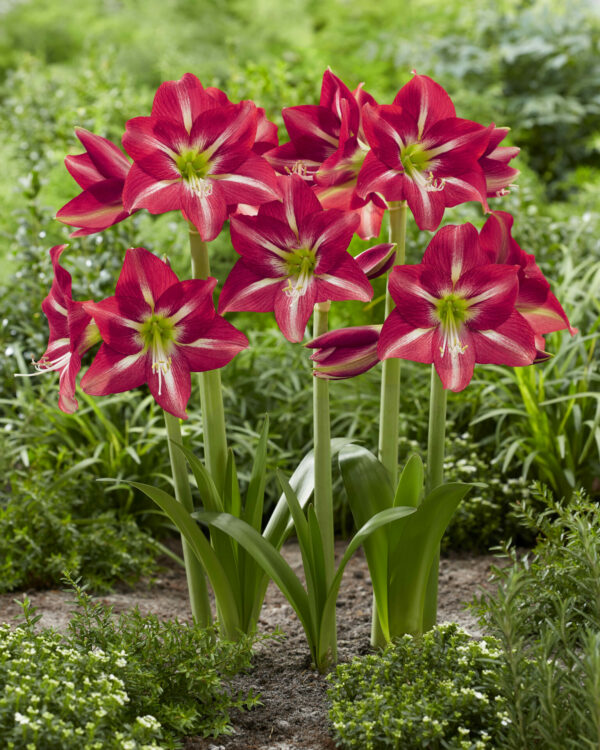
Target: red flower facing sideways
(156, 330)
(72, 333)
(101, 172)
(455, 309)
(195, 154)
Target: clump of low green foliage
(428, 692)
(546, 614)
(126, 682)
(45, 529)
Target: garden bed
(294, 711)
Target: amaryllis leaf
(302, 482)
(369, 491)
(203, 551)
(232, 501)
(416, 543)
(304, 540)
(270, 560)
(253, 507)
(373, 524)
(410, 484)
(206, 487)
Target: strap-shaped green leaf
(416, 542)
(410, 484)
(369, 492)
(209, 494)
(373, 524)
(203, 551)
(272, 563)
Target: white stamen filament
(451, 340)
(160, 366)
(300, 285)
(202, 188)
(434, 184)
(46, 365)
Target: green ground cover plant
(129, 681)
(420, 692)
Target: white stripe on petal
(347, 286)
(408, 338)
(150, 190)
(506, 343)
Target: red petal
(415, 300)
(190, 307)
(215, 348)
(182, 101)
(96, 208)
(254, 182)
(512, 343)
(119, 320)
(266, 133)
(345, 281)
(315, 130)
(377, 259)
(158, 196)
(263, 242)
(491, 292)
(292, 312)
(172, 389)
(388, 129)
(113, 372)
(207, 212)
(329, 233)
(426, 101)
(333, 93)
(376, 177)
(144, 276)
(83, 170)
(246, 290)
(455, 249)
(454, 367)
(66, 389)
(140, 139)
(427, 206)
(108, 158)
(287, 160)
(223, 130)
(401, 340)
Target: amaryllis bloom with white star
(101, 172)
(422, 153)
(156, 330)
(72, 333)
(455, 309)
(196, 155)
(535, 301)
(346, 352)
(293, 255)
(327, 149)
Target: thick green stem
(389, 404)
(434, 478)
(211, 395)
(323, 486)
(196, 579)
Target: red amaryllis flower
(535, 301)
(72, 333)
(101, 172)
(156, 330)
(195, 155)
(346, 352)
(494, 162)
(455, 309)
(327, 149)
(422, 153)
(294, 254)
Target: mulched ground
(293, 715)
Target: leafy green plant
(545, 611)
(426, 692)
(45, 527)
(178, 673)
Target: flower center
(414, 159)
(158, 334)
(192, 165)
(301, 264)
(452, 312)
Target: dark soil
(293, 714)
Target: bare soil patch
(293, 715)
